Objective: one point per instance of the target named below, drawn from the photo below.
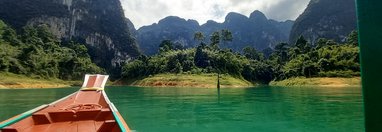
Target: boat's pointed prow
(94, 82)
(86, 110)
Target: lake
(264, 109)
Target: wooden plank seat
(105, 114)
(62, 116)
(8, 129)
(107, 126)
(83, 126)
(41, 118)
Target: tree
(74, 61)
(165, 46)
(8, 59)
(310, 69)
(220, 36)
(282, 50)
(9, 35)
(226, 35)
(293, 68)
(325, 65)
(178, 46)
(258, 72)
(267, 52)
(321, 43)
(352, 38)
(9, 50)
(215, 40)
(80, 49)
(253, 54)
(201, 58)
(133, 69)
(199, 36)
(178, 68)
(302, 45)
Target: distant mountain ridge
(256, 31)
(331, 19)
(173, 28)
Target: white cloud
(147, 12)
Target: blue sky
(147, 12)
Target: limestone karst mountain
(255, 31)
(331, 19)
(100, 24)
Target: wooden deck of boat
(84, 111)
(88, 110)
(76, 126)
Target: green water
(273, 109)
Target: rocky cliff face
(331, 19)
(100, 24)
(257, 31)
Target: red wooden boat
(88, 110)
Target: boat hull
(89, 111)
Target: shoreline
(15, 81)
(319, 82)
(188, 80)
(32, 86)
(172, 80)
(40, 85)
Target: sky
(147, 12)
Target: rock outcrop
(331, 19)
(100, 24)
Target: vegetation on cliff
(37, 53)
(100, 25)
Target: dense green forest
(37, 53)
(324, 58)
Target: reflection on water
(197, 109)
(16, 101)
(252, 109)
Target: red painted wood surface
(85, 111)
